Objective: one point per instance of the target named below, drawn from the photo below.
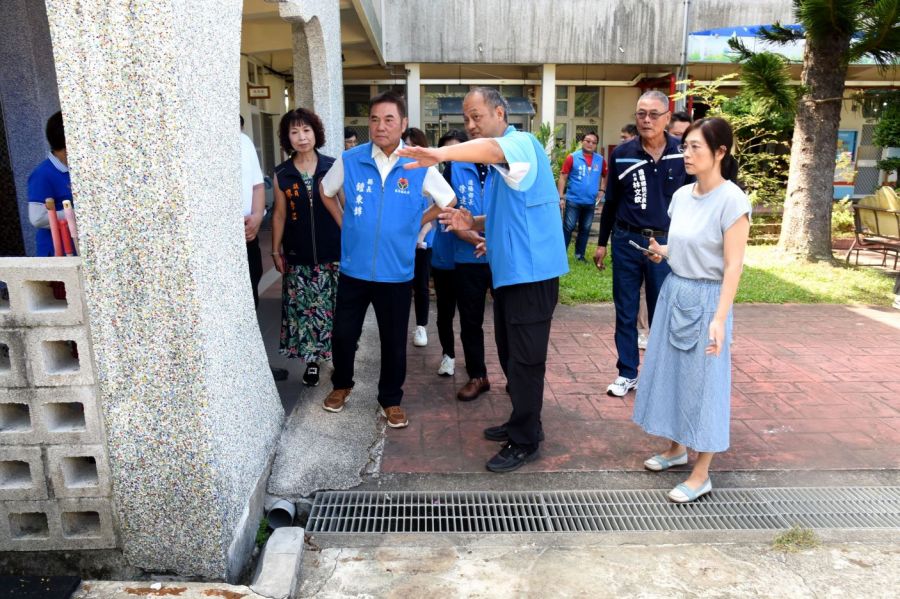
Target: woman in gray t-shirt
(684, 391)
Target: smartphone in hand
(643, 249)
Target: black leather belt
(642, 231)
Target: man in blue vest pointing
(380, 222)
(526, 253)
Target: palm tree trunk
(806, 227)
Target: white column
(414, 94)
(318, 76)
(548, 99)
(191, 412)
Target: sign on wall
(258, 92)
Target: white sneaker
(448, 366)
(420, 337)
(621, 386)
(642, 341)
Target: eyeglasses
(654, 116)
(693, 148)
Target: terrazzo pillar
(318, 76)
(150, 94)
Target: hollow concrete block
(78, 471)
(21, 473)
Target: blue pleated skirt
(683, 394)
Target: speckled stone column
(318, 77)
(149, 91)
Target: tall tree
(837, 32)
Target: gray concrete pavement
(498, 572)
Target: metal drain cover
(599, 511)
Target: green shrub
(842, 223)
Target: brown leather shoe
(336, 400)
(473, 389)
(396, 417)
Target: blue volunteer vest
(524, 228)
(381, 223)
(467, 187)
(584, 180)
(442, 249)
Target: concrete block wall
(55, 490)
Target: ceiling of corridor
(267, 37)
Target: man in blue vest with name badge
(472, 275)
(580, 186)
(526, 253)
(380, 222)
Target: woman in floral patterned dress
(306, 244)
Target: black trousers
(391, 302)
(472, 284)
(522, 316)
(445, 298)
(420, 285)
(254, 260)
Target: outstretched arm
(485, 151)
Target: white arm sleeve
(437, 188)
(334, 178)
(38, 216)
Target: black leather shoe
(512, 457)
(498, 433)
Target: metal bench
(877, 230)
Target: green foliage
(767, 83)
(558, 153)
(842, 223)
(760, 135)
(263, 532)
(798, 538)
(887, 130)
(889, 165)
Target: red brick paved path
(815, 387)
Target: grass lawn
(767, 280)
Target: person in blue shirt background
(473, 274)
(643, 174)
(526, 253)
(380, 220)
(49, 179)
(443, 271)
(414, 136)
(581, 186)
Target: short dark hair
(300, 116)
(493, 99)
(348, 133)
(389, 97)
(681, 117)
(717, 133)
(456, 134)
(591, 132)
(56, 133)
(631, 129)
(416, 137)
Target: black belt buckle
(648, 233)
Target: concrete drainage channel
(735, 509)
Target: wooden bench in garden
(877, 230)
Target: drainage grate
(603, 511)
